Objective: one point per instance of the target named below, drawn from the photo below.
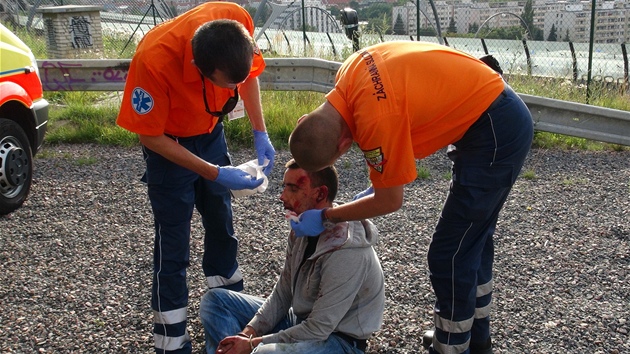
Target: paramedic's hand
(264, 149)
(234, 178)
(310, 224)
(364, 193)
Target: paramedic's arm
(383, 201)
(250, 92)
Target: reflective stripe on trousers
(486, 163)
(174, 193)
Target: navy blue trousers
(174, 192)
(486, 163)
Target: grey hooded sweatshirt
(339, 288)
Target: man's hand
(364, 193)
(234, 345)
(234, 178)
(310, 224)
(264, 149)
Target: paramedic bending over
(402, 101)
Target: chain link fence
(530, 37)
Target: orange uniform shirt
(163, 92)
(405, 100)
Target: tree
(399, 25)
(427, 31)
(375, 11)
(528, 18)
(537, 34)
(473, 28)
(528, 14)
(552, 37)
(515, 32)
(566, 37)
(378, 16)
(451, 26)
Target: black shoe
(427, 339)
(481, 348)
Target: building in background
(569, 19)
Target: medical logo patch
(375, 159)
(141, 101)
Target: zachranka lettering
(379, 89)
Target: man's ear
(322, 195)
(344, 144)
(301, 118)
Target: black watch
(328, 224)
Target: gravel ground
(75, 260)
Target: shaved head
(315, 141)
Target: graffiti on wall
(81, 32)
(72, 76)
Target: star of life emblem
(141, 101)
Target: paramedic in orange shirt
(402, 101)
(186, 75)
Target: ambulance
(23, 119)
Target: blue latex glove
(310, 223)
(264, 149)
(234, 178)
(364, 193)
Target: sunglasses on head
(227, 107)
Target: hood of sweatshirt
(349, 234)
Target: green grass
(529, 174)
(282, 110)
(423, 171)
(37, 43)
(85, 117)
(90, 117)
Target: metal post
(624, 51)
(418, 20)
(304, 26)
(574, 61)
(590, 53)
(437, 22)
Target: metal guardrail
(581, 120)
(310, 74)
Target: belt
(360, 344)
(184, 138)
